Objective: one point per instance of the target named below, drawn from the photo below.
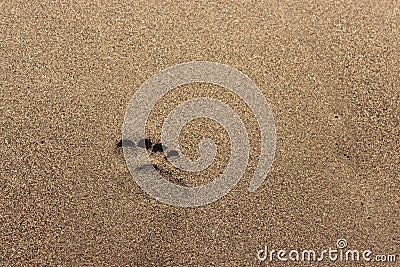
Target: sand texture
(330, 71)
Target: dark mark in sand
(125, 143)
(172, 153)
(158, 147)
(145, 143)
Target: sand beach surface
(328, 69)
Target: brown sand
(330, 71)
